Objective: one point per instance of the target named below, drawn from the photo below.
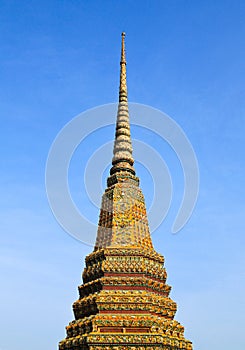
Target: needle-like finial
(122, 153)
(123, 82)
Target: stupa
(124, 300)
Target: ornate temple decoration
(124, 300)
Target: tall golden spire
(123, 219)
(124, 299)
(122, 152)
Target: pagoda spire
(123, 219)
(123, 151)
(124, 299)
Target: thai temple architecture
(124, 300)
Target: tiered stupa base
(124, 304)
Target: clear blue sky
(59, 58)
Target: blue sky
(60, 58)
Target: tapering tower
(124, 300)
